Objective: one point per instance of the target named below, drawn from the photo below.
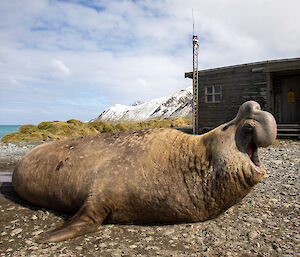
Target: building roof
(272, 65)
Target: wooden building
(275, 85)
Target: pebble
(28, 242)
(16, 231)
(277, 162)
(254, 220)
(35, 233)
(34, 217)
(33, 248)
(168, 232)
(151, 248)
(252, 235)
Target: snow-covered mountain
(176, 105)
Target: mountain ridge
(178, 104)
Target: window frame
(213, 94)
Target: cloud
(60, 68)
(74, 58)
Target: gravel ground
(265, 223)
(11, 153)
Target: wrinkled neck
(210, 178)
(193, 165)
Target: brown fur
(147, 176)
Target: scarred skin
(147, 176)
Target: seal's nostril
(247, 109)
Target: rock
(28, 242)
(169, 232)
(149, 238)
(35, 233)
(16, 231)
(33, 248)
(254, 220)
(252, 235)
(148, 248)
(34, 217)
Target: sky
(64, 59)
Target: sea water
(6, 129)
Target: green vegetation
(56, 130)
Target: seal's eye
(226, 127)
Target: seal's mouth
(253, 153)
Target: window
(213, 94)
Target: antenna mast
(195, 81)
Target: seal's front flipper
(81, 223)
(67, 231)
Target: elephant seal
(147, 176)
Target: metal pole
(195, 85)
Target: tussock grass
(56, 130)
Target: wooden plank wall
(239, 84)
